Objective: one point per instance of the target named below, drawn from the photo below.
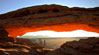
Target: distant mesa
(50, 17)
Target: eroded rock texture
(8, 46)
(20, 47)
(50, 17)
(88, 46)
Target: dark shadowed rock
(18, 48)
(88, 46)
(4, 35)
(3, 32)
(50, 15)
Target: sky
(11, 5)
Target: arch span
(15, 31)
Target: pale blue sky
(10, 5)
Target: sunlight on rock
(48, 49)
(6, 53)
(25, 50)
(8, 49)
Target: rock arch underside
(50, 17)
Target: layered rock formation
(9, 48)
(21, 47)
(50, 17)
(88, 46)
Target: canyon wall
(88, 46)
(50, 17)
(8, 46)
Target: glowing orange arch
(15, 31)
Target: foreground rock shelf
(8, 46)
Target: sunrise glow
(76, 33)
(55, 30)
